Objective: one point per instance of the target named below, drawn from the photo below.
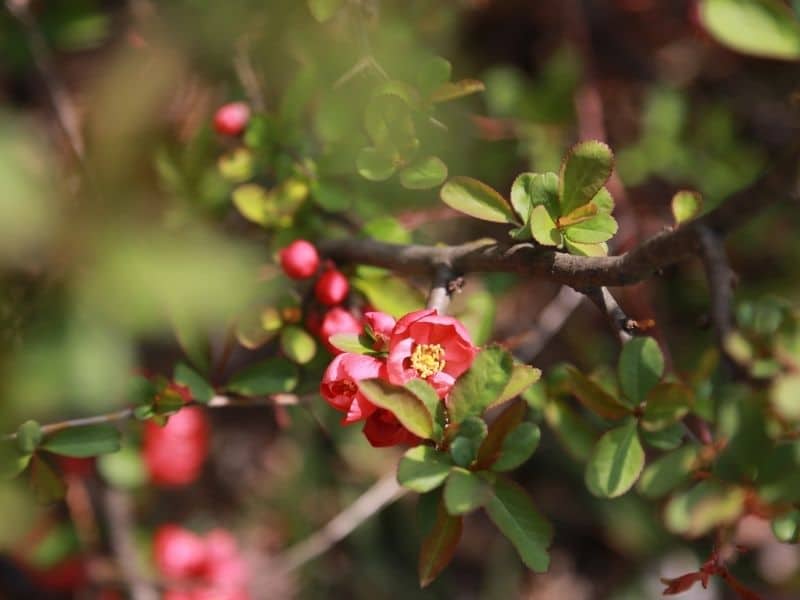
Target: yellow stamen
(427, 359)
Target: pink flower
(382, 326)
(429, 346)
(338, 320)
(383, 429)
(340, 384)
(178, 552)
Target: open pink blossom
(381, 326)
(429, 346)
(382, 429)
(340, 384)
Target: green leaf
(506, 421)
(641, 365)
(432, 74)
(668, 472)
(423, 174)
(603, 201)
(477, 199)
(438, 546)
(255, 204)
(668, 438)
(423, 469)
(271, 376)
(236, 166)
(124, 469)
(453, 90)
(518, 446)
(47, 485)
(471, 433)
(572, 431)
(349, 342)
(586, 249)
(786, 527)
(522, 377)
(200, 389)
(391, 295)
(12, 461)
(323, 10)
(544, 192)
(517, 518)
(521, 195)
(375, 165)
(706, 506)
(257, 325)
(433, 404)
(543, 228)
(465, 491)
(666, 403)
(585, 170)
(297, 344)
(29, 436)
(763, 28)
(83, 442)
(404, 405)
(600, 228)
(594, 397)
(784, 394)
(686, 205)
(616, 462)
(480, 386)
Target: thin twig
(620, 322)
(721, 279)
(445, 282)
(119, 509)
(385, 491)
(66, 115)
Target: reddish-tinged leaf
(498, 430)
(438, 546)
(678, 585)
(594, 397)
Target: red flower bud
(174, 454)
(299, 259)
(338, 320)
(178, 553)
(231, 118)
(332, 288)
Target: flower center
(427, 359)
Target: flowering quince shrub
(421, 382)
(319, 172)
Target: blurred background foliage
(141, 249)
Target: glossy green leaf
(83, 442)
(423, 174)
(481, 385)
(270, 376)
(667, 403)
(641, 365)
(236, 166)
(522, 377)
(12, 460)
(786, 527)
(708, 505)
(517, 518)
(200, 389)
(543, 228)
(600, 228)
(297, 344)
(616, 462)
(477, 199)
(464, 447)
(765, 28)
(465, 491)
(404, 405)
(518, 446)
(521, 195)
(586, 249)
(125, 469)
(390, 294)
(572, 431)
(785, 396)
(439, 546)
(423, 469)
(686, 205)
(433, 404)
(603, 201)
(432, 74)
(668, 472)
(668, 438)
(375, 165)
(29, 436)
(255, 204)
(453, 90)
(323, 10)
(585, 170)
(593, 396)
(349, 342)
